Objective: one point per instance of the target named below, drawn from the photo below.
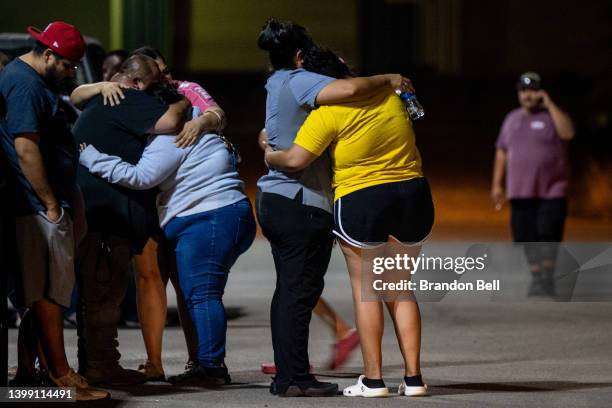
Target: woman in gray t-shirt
(294, 210)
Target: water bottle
(413, 107)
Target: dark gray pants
(102, 265)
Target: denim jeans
(207, 245)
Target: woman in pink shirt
(212, 118)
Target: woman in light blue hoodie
(205, 214)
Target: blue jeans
(207, 245)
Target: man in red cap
(42, 156)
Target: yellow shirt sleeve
(317, 131)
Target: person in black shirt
(120, 220)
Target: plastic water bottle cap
(406, 96)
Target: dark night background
(463, 56)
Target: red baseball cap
(64, 39)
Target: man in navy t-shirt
(42, 159)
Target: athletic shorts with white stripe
(402, 210)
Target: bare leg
(407, 321)
(368, 315)
(51, 326)
(324, 311)
(152, 302)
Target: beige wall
(224, 33)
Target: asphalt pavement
(474, 354)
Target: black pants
(538, 220)
(301, 240)
(103, 263)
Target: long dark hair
(165, 93)
(282, 39)
(324, 61)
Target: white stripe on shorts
(342, 234)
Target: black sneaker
(202, 375)
(537, 289)
(273, 387)
(311, 388)
(192, 375)
(217, 375)
(190, 364)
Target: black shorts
(402, 210)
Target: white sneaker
(360, 390)
(413, 391)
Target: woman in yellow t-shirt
(382, 208)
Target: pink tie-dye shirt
(195, 94)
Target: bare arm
(213, 119)
(499, 171)
(173, 120)
(31, 163)
(294, 159)
(354, 89)
(262, 139)
(563, 123)
(111, 92)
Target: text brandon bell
(455, 285)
